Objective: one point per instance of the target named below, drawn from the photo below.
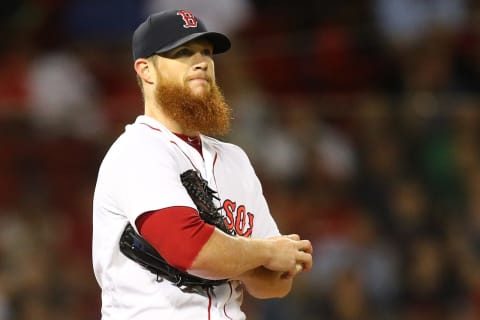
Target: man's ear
(144, 70)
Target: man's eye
(182, 53)
(207, 52)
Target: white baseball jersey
(141, 173)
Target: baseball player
(140, 187)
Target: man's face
(190, 66)
(186, 89)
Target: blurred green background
(360, 117)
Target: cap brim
(219, 41)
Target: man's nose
(200, 61)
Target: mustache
(204, 77)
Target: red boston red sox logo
(188, 18)
(238, 219)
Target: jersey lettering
(238, 219)
(188, 18)
(229, 207)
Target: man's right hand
(287, 252)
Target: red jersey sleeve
(177, 233)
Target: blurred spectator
(348, 299)
(283, 146)
(62, 96)
(427, 291)
(406, 22)
(335, 154)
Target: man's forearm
(224, 256)
(262, 283)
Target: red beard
(208, 114)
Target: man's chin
(196, 108)
(200, 89)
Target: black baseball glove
(139, 250)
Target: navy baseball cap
(166, 30)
